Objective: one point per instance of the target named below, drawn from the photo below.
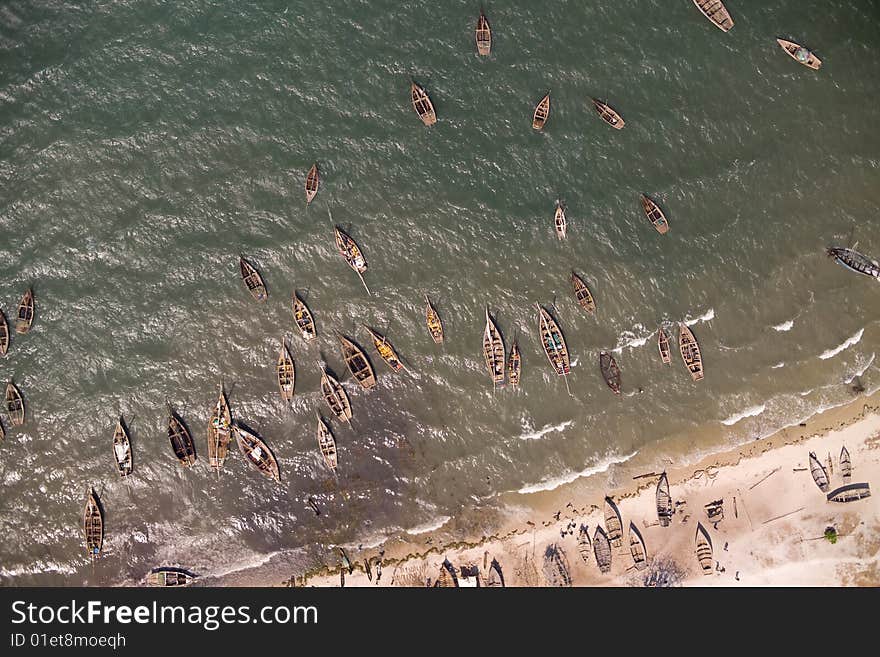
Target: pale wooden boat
(514, 365)
(559, 221)
(613, 523)
(495, 578)
(820, 476)
(610, 371)
(602, 550)
(690, 352)
(181, 440)
(585, 546)
(493, 351)
(655, 215)
(4, 334)
(854, 261)
(845, 464)
(305, 322)
(357, 363)
(553, 342)
(352, 253)
(313, 179)
(252, 279)
(167, 576)
(582, 293)
(25, 317)
(716, 12)
(219, 432)
(608, 114)
(122, 448)
(483, 35)
(432, 320)
(850, 493)
(703, 545)
(556, 569)
(335, 396)
(386, 350)
(663, 346)
(800, 54)
(15, 409)
(665, 508)
(637, 547)
(93, 525)
(422, 105)
(326, 444)
(285, 373)
(257, 453)
(542, 112)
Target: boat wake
(598, 468)
(751, 411)
(849, 342)
(531, 434)
(708, 316)
(785, 326)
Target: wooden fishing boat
(326, 444)
(181, 440)
(663, 346)
(655, 215)
(559, 221)
(493, 351)
(2, 432)
(556, 569)
(352, 253)
(357, 363)
(483, 35)
(690, 352)
(432, 319)
(665, 508)
(542, 112)
(854, 261)
(285, 373)
(167, 576)
(716, 12)
(613, 523)
(553, 342)
(845, 464)
(303, 318)
(335, 396)
(608, 114)
(582, 293)
(820, 475)
(386, 350)
(122, 448)
(25, 317)
(4, 334)
(637, 547)
(800, 54)
(610, 371)
(602, 550)
(850, 493)
(495, 578)
(703, 546)
(514, 365)
(252, 279)
(219, 432)
(447, 577)
(15, 409)
(312, 182)
(585, 546)
(93, 524)
(422, 105)
(256, 452)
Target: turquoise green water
(145, 145)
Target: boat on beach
(820, 475)
(514, 365)
(432, 320)
(386, 350)
(665, 508)
(4, 334)
(845, 464)
(313, 179)
(602, 550)
(181, 440)
(553, 342)
(850, 493)
(483, 35)
(15, 409)
(447, 578)
(703, 546)
(582, 293)
(252, 279)
(800, 54)
(585, 546)
(256, 452)
(352, 254)
(854, 261)
(335, 396)
(663, 346)
(493, 351)
(655, 215)
(168, 576)
(690, 352)
(93, 524)
(305, 322)
(716, 12)
(613, 523)
(608, 114)
(326, 444)
(495, 578)
(122, 448)
(637, 547)
(219, 432)
(357, 363)
(422, 105)
(542, 112)
(25, 317)
(285, 373)
(559, 221)
(610, 371)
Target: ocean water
(144, 145)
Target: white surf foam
(777, 366)
(551, 484)
(751, 411)
(861, 371)
(846, 344)
(707, 316)
(785, 326)
(540, 433)
(429, 526)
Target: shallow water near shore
(143, 150)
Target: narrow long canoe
(854, 261)
(327, 445)
(357, 363)
(422, 105)
(602, 550)
(313, 179)
(432, 320)
(663, 346)
(181, 440)
(559, 221)
(15, 409)
(690, 352)
(610, 371)
(25, 317)
(285, 373)
(122, 448)
(495, 578)
(165, 576)
(257, 453)
(305, 322)
(447, 577)
(800, 54)
(93, 525)
(703, 545)
(850, 493)
(665, 508)
(4, 334)
(716, 12)
(582, 293)
(655, 215)
(608, 114)
(352, 253)
(386, 350)
(820, 475)
(613, 523)
(637, 547)
(845, 464)
(335, 396)
(542, 112)
(585, 546)
(252, 279)
(553, 342)
(514, 365)
(219, 432)
(483, 35)
(493, 351)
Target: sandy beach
(769, 530)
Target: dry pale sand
(771, 534)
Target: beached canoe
(168, 576)
(335, 396)
(610, 371)
(602, 550)
(553, 342)
(422, 105)
(447, 577)
(637, 547)
(514, 365)
(256, 452)
(665, 508)
(219, 432)
(432, 320)
(854, 261)
(613, 523)
(122, 448)
(663, 346)
(800, 54)
(585, 546)
(608, 114)
(655, 215)
(493, 351)
(845, 464)
(4, 334)
(305, 322)
(25, 317)
(252, 279)
(582, 293)
(15, 409)
(326, 444)
(716, 12)
(483, 35)
(357, 363)
(690, 352)
(495, 578)
(285, 373)
(703, 545)
(542, 112)
(386, 350)
(559, 221)
(820, 475)
(181, 440)
(93, 524)
(313, 179)
(556, 569)
(850, 493)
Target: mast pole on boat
(364, 282)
